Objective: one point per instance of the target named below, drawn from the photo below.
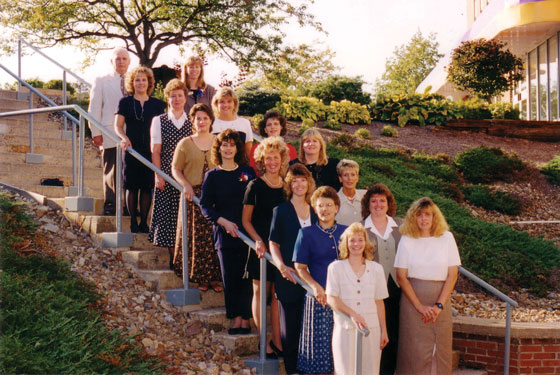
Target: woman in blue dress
(287, 219)
(221, 201)
(316, 248)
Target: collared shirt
(385, 246)
(349, 213)
(104, 99)
(155, 130)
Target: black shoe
(144, 228)
(134, 227)
(109, 210)
(244, 331)
(235, 331)
(278, 352)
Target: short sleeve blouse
(427, 258)
(240, 124)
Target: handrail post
(81, 191)
(184, 239)
(507, 339)
(31, 123)
(358, 355)
(64, 99)
(74, 155)
(262, 309)
(19, 67)
(118, 189)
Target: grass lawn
(50, 323)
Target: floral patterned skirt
(204, 266)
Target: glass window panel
(543, 92)
(553, 77)
(533, 84)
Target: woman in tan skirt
(427, 262)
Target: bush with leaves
(255, 99)
(389, 131)
(347, 112)
(552, 170)
(362, 133)
(500, 201)
(332, 124)
(419, 109)
(487, 164)
(305, 124)
(299, 108)
(338, 88)
(56, 84)
(473, 109)
(504, 111)
(257, 117)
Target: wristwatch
(439, 305)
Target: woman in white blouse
(356, 286)
(427, 264)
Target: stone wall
(535, 347)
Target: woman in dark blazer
(287, 219)
(378, 210)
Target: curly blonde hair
(222, 93)
(410, 226)
(299, 170)
(313, 133)
(272, 144)
(355, 228)
(129, 82)
(192, 60)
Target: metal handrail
(509, 304)
(85, 115)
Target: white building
(531, 29)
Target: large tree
(484, 68)
(245, 31)
(409, 65)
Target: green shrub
(254, 99)
(339, 88)
(257, 117)
(418, 109)
(552, 170)
(487, 164)
(332, 124)
(346, 142)
(299, 108)
(362, 133)
(473, 109)
(306, 124)
(348, 113)
(56, 84)
(500, 201)
(504, 111)
(389, 131)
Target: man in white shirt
(104, 98)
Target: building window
(532, 85)
(543, 81)
(553, 77)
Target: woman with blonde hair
(226, 104)
(350, 198)
(199, 92)
(356, 287)
(166, 131)
(313, 154)
(427, 263)
(287, 219)
(136, 112)
(262, 195)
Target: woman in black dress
(313, 154)
(136, 112)
(166, 132)
(223, 189)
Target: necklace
(330, 232)
(349, 199)
(271, 184)
(141, 118)
(228, 169)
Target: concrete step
(39, 148)
(160, 279)
(241, 345)
(35, 180)
(50, 143)
(38, 133)
(19, 157)
(49, 169)
(147, 259)
(95, 225)
(36, 116)
(23, 121)
(59, 192)
(8, 94)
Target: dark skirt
(417, 339)
(135, 174)
(315, 343)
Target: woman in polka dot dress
(166, 131)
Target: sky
(362, 33)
